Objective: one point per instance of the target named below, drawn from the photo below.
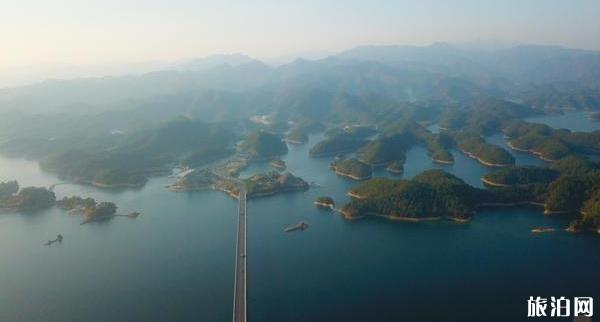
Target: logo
(560, 307)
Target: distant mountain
(214, 60)
(439, 74)
(521, 63)
(27, 75)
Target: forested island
(568, 186)
(263, 145)
(488, 154)
(135, 157)
(325, 202)
(352, 168)
(395, 167)
(335, 145)
(520, 175)
(26, 199)
(297, 136)
(258, 185)
(548, 143)
(431, 195)
(278, 164)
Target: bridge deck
(239, 302)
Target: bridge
(239, 296)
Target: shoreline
(486, 163)
(530, 151)
(493, 184)
(354, 195)
(348, 216)
(350, 176)
(392, 171)
(442, 161)
(324, 205)
(116, 185)
(290, 141)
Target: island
(263, 145)
(550, 144)
(352, 168)
(268, 184)
(325, 202)
(520, 175)
(258, 185)
(278, 164)
(395, 167)
(100, 212)
(475, 147)
(75, 204)
(590, 216)
(335, 145)
(431, 195)
(438, 146)
(128, 161)
(26, 199)
(570, 186)
(297, 136)
(385, 149)
(8, 188)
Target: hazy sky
(99, 31)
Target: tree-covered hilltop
(351, 131)
(392, 144)
(335, 145)
(590, 215)
(488, 154)
(261, 145)
(519, 175)
(141, 154)
(30, 198)
(575, 166)
(325, 201)
(484, 115)
(297, 136)
(386, 149)
(395, 167)
(8, 188)
(563, 187)
(397, 137)
(438, 146)
(352, 168)
(301, 127)
(75, 202)
(278, 164)
(548, 143)
(433, 193)
(206, 155)
(570, 97)
(266, 184)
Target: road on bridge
(239, 301)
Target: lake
(572, 120)
(175, 262)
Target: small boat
(543, 230)
(59, 239)
(133, 214)
(299, 226)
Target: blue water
(574, 121)
(176, 261)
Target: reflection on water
(176, 261)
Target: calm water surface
(574, 121)
(176, 261)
